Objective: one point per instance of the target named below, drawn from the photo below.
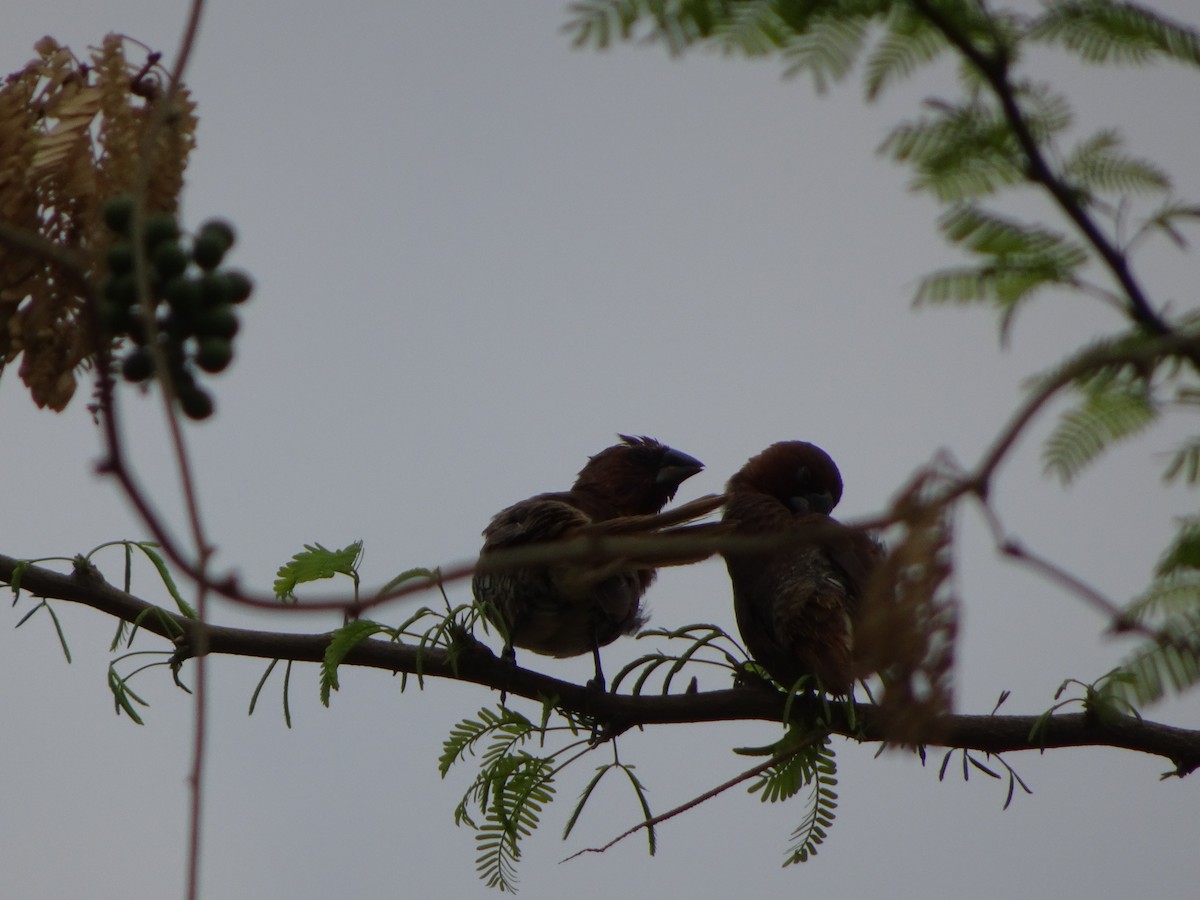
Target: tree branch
(995, 70)
(476, 664)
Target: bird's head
(798, 474)
(637, 476)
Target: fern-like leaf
(1171, 664)
(62, 638)
(124, 697)
(1102, 31)
(341, 642)
(1184, 553)
(782, 781)
(315, 563)
(1098, 165)
(1112, 411)
(751, 29)
(676, 23)
(1167, 219)
(601, 23)
(822, 779)
(965, 152)
(910, 42)
(521, 786)
(467, 733)
(826, 49)
(802, 759)
(1169, 596)
(968, 150)
(1020, 260)
(1185, 463)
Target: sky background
(480, 254)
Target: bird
(569, 609)
(796, 605)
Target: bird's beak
(812, 503)
(677, 467)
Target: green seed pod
(213, 354)
(134, 327)
(219, 321)
(183, 293)
(119, 258)
(240, 285)
(215, 290)
(118, 213)
(160, 227)
(138, 365)
(208, 250)
(194, 401)
(178, 325)
(218, 229)
(169, 259)
(115, 317)
(120, 290)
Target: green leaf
(826, 50)
(18, 573)
(409, 575)
(287, 694)
(1158, 668)
(1167, 218)
(640, 790)
(1172, 594)
(968, 150)
(315, 563)
(123, 697)
(469, 732)
(261, 682)
(910, 42)
(1184, 552)
(752, 29)
(341, 642)
(586, 795)
(1112, 410)
(62, 638)
(602, 23)
(1097, 165)
(965, 152)
(521, 786)
(1019, 261)
(150, 550)
(822, 777)
(1185, 462)
(1102, 31)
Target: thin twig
(1120, 621)
(691, 804)
(187, 479)
(55, 253)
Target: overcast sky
(480, 254)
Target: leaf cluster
(507, 795)
(802, 760)
(1169, 609)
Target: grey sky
(479, 255)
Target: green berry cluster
(194, 300)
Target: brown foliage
(72, 135)
(909, 623)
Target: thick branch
(478, 665)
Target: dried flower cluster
(72, 135)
